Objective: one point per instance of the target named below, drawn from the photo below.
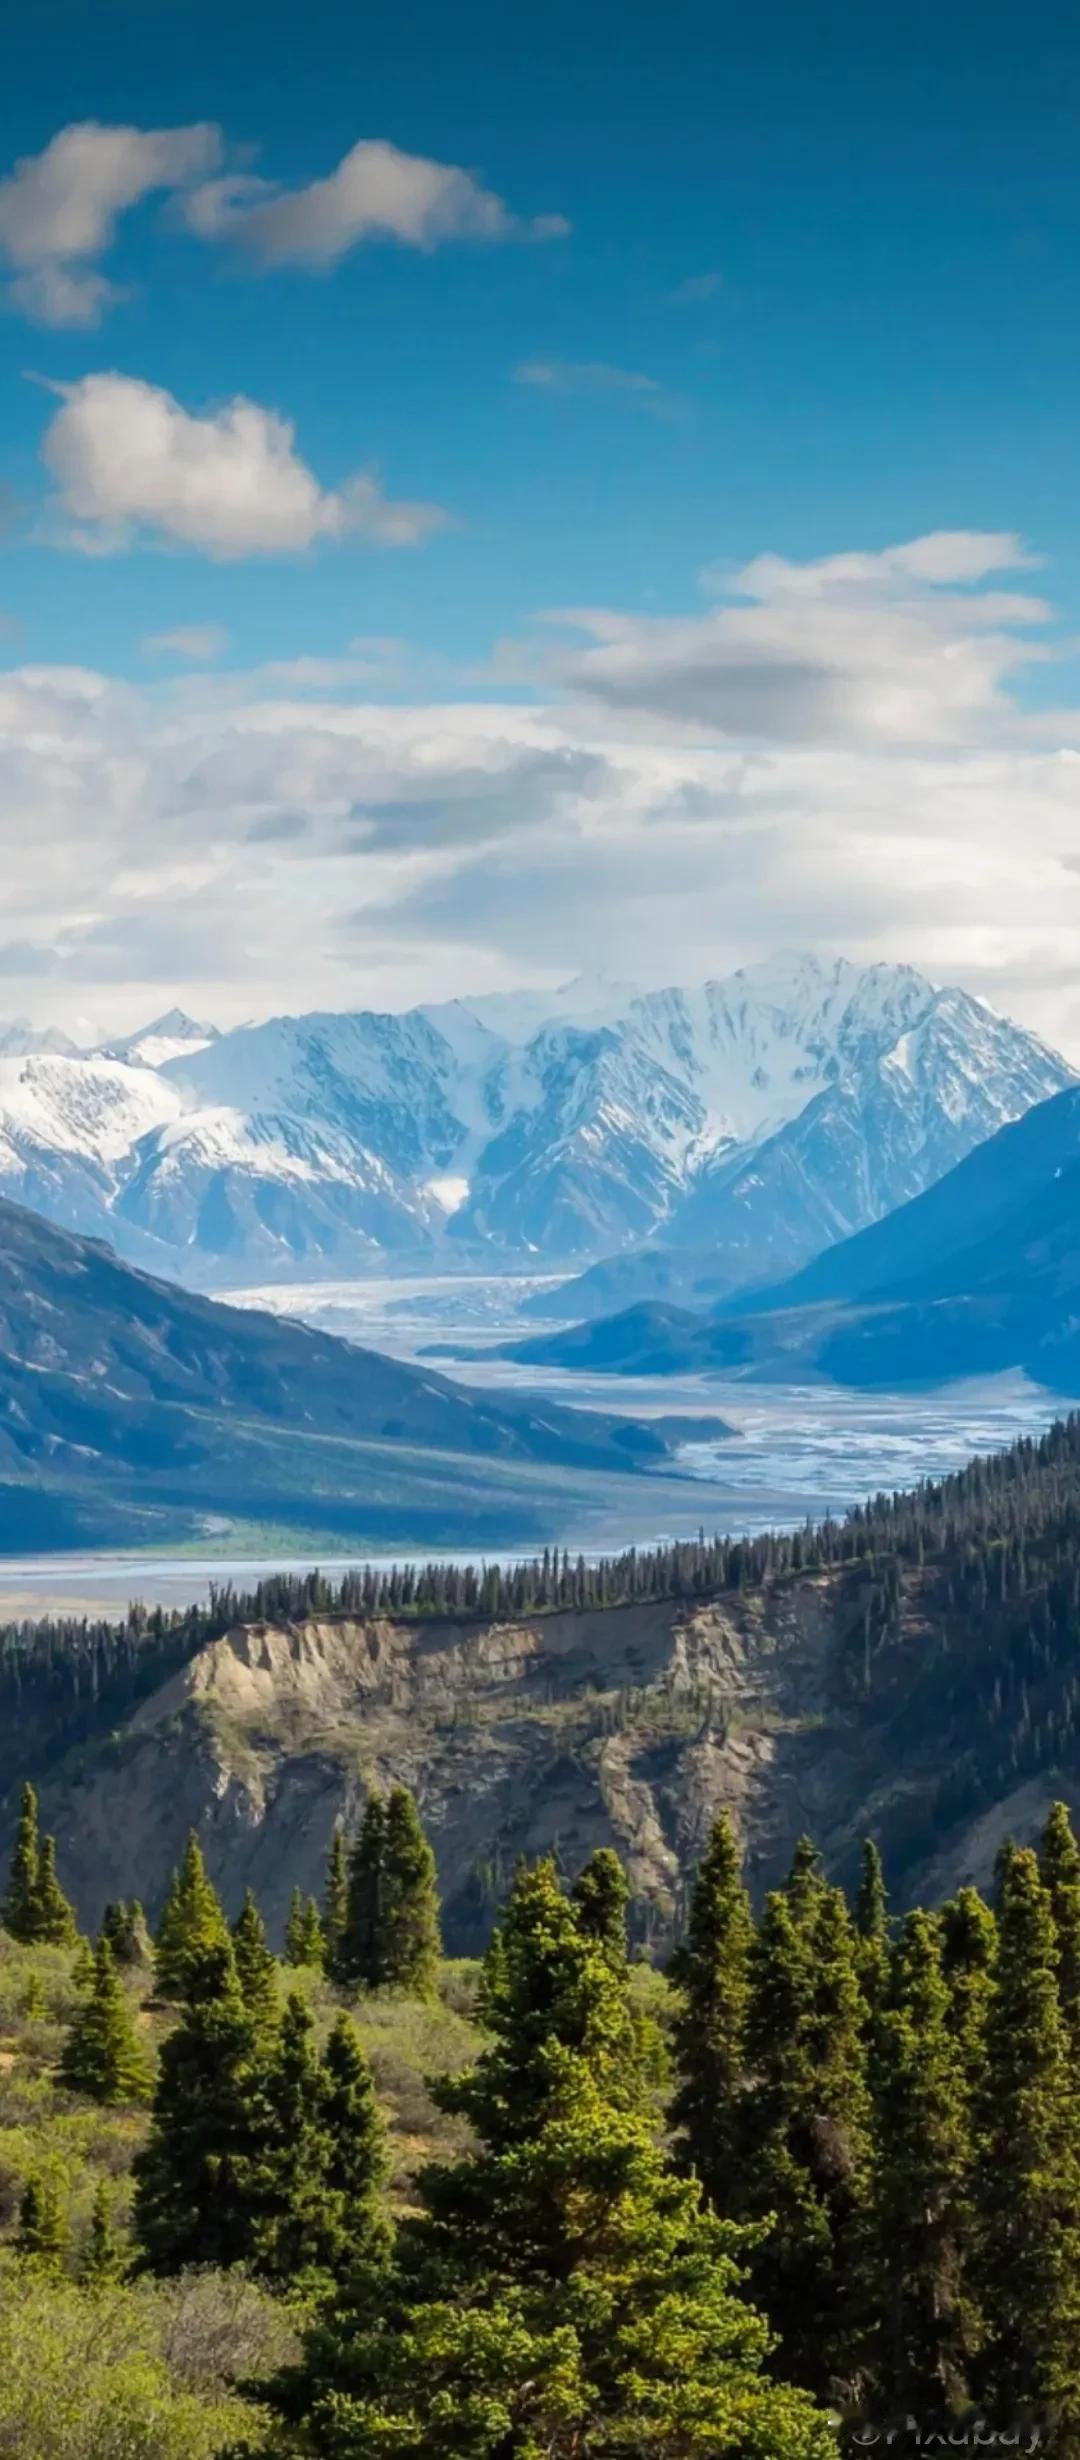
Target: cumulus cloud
(896, 647)
(196, 644)
(248, 841)
(376, 192)
(130, 463)
(59, 209)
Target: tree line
(846, 2185)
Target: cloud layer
(129, 463)
(282, 839)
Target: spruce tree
(43, 2234)
(335, 1903)
(102, 2055)
(256, 1970)
(1028, 2173)
(601, 1894)
(19, 1912)
(560, 2290)
(292, 2218)
(927, 2328)
(124, 1926)
(102, 2259)
(359, 1952)
(872, 1925)
(312, 1941)
(412, 1948)
(192, 1922)
(805, 1881)
(711, 1973)
(294, 1930)
(198, 2177)
(804, 2153)
(357, 2162)
(56, 1924)
(969, 1941)
(1059, 1867)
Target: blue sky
(813, 292)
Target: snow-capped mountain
(756, 1118)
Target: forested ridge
(956, 1609)
(820, 2182)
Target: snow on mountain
(169, 1037)
(754, 1119)
(18, 1038)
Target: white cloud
(896, 647)
(583, 376)
(376, 192)
(248, 841)
(59, 209)
(129, 462)
(197, 644)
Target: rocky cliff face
(628, 1727)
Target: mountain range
(978, 1274)
(135, 1412)
(730, 1131)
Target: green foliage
(35, 1907)
(101, 2258)
(102, 2055)
(560, 2292)
(108, 2371)
(335, 1902)
(872, 1925)
(1059, 1868)
(410, 1908)
(124, 1926)
(926, 2327)
(195, 2177)
(43, 2234)
(357, 1953)
(1028, 2173)
(389, 1938)
(19, 1911)
(711, 1972)
(256, 1970)
(192, 1924)
(305, 1939)
(601, 1895)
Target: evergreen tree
(357, 2164)
(198, 2177)
(410, 1911)
(43, 2234)
(1059, 1867)
(292, 2218)
(192, 1923)
(711, 1972)
(312, 1941)
(124, 1926)
(601, 1894)
(102, 2055)
(872, 1925)
(256, 1970)
(805, 1881)
(54, 1917)
(335, 1903)
(805, 2150)
(102, 2259)
(923, 2151)
(359, 1950)
(1028, 2178)
(294, 1930)
(20, 1907)
(969, 1957)
(560, 2291)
